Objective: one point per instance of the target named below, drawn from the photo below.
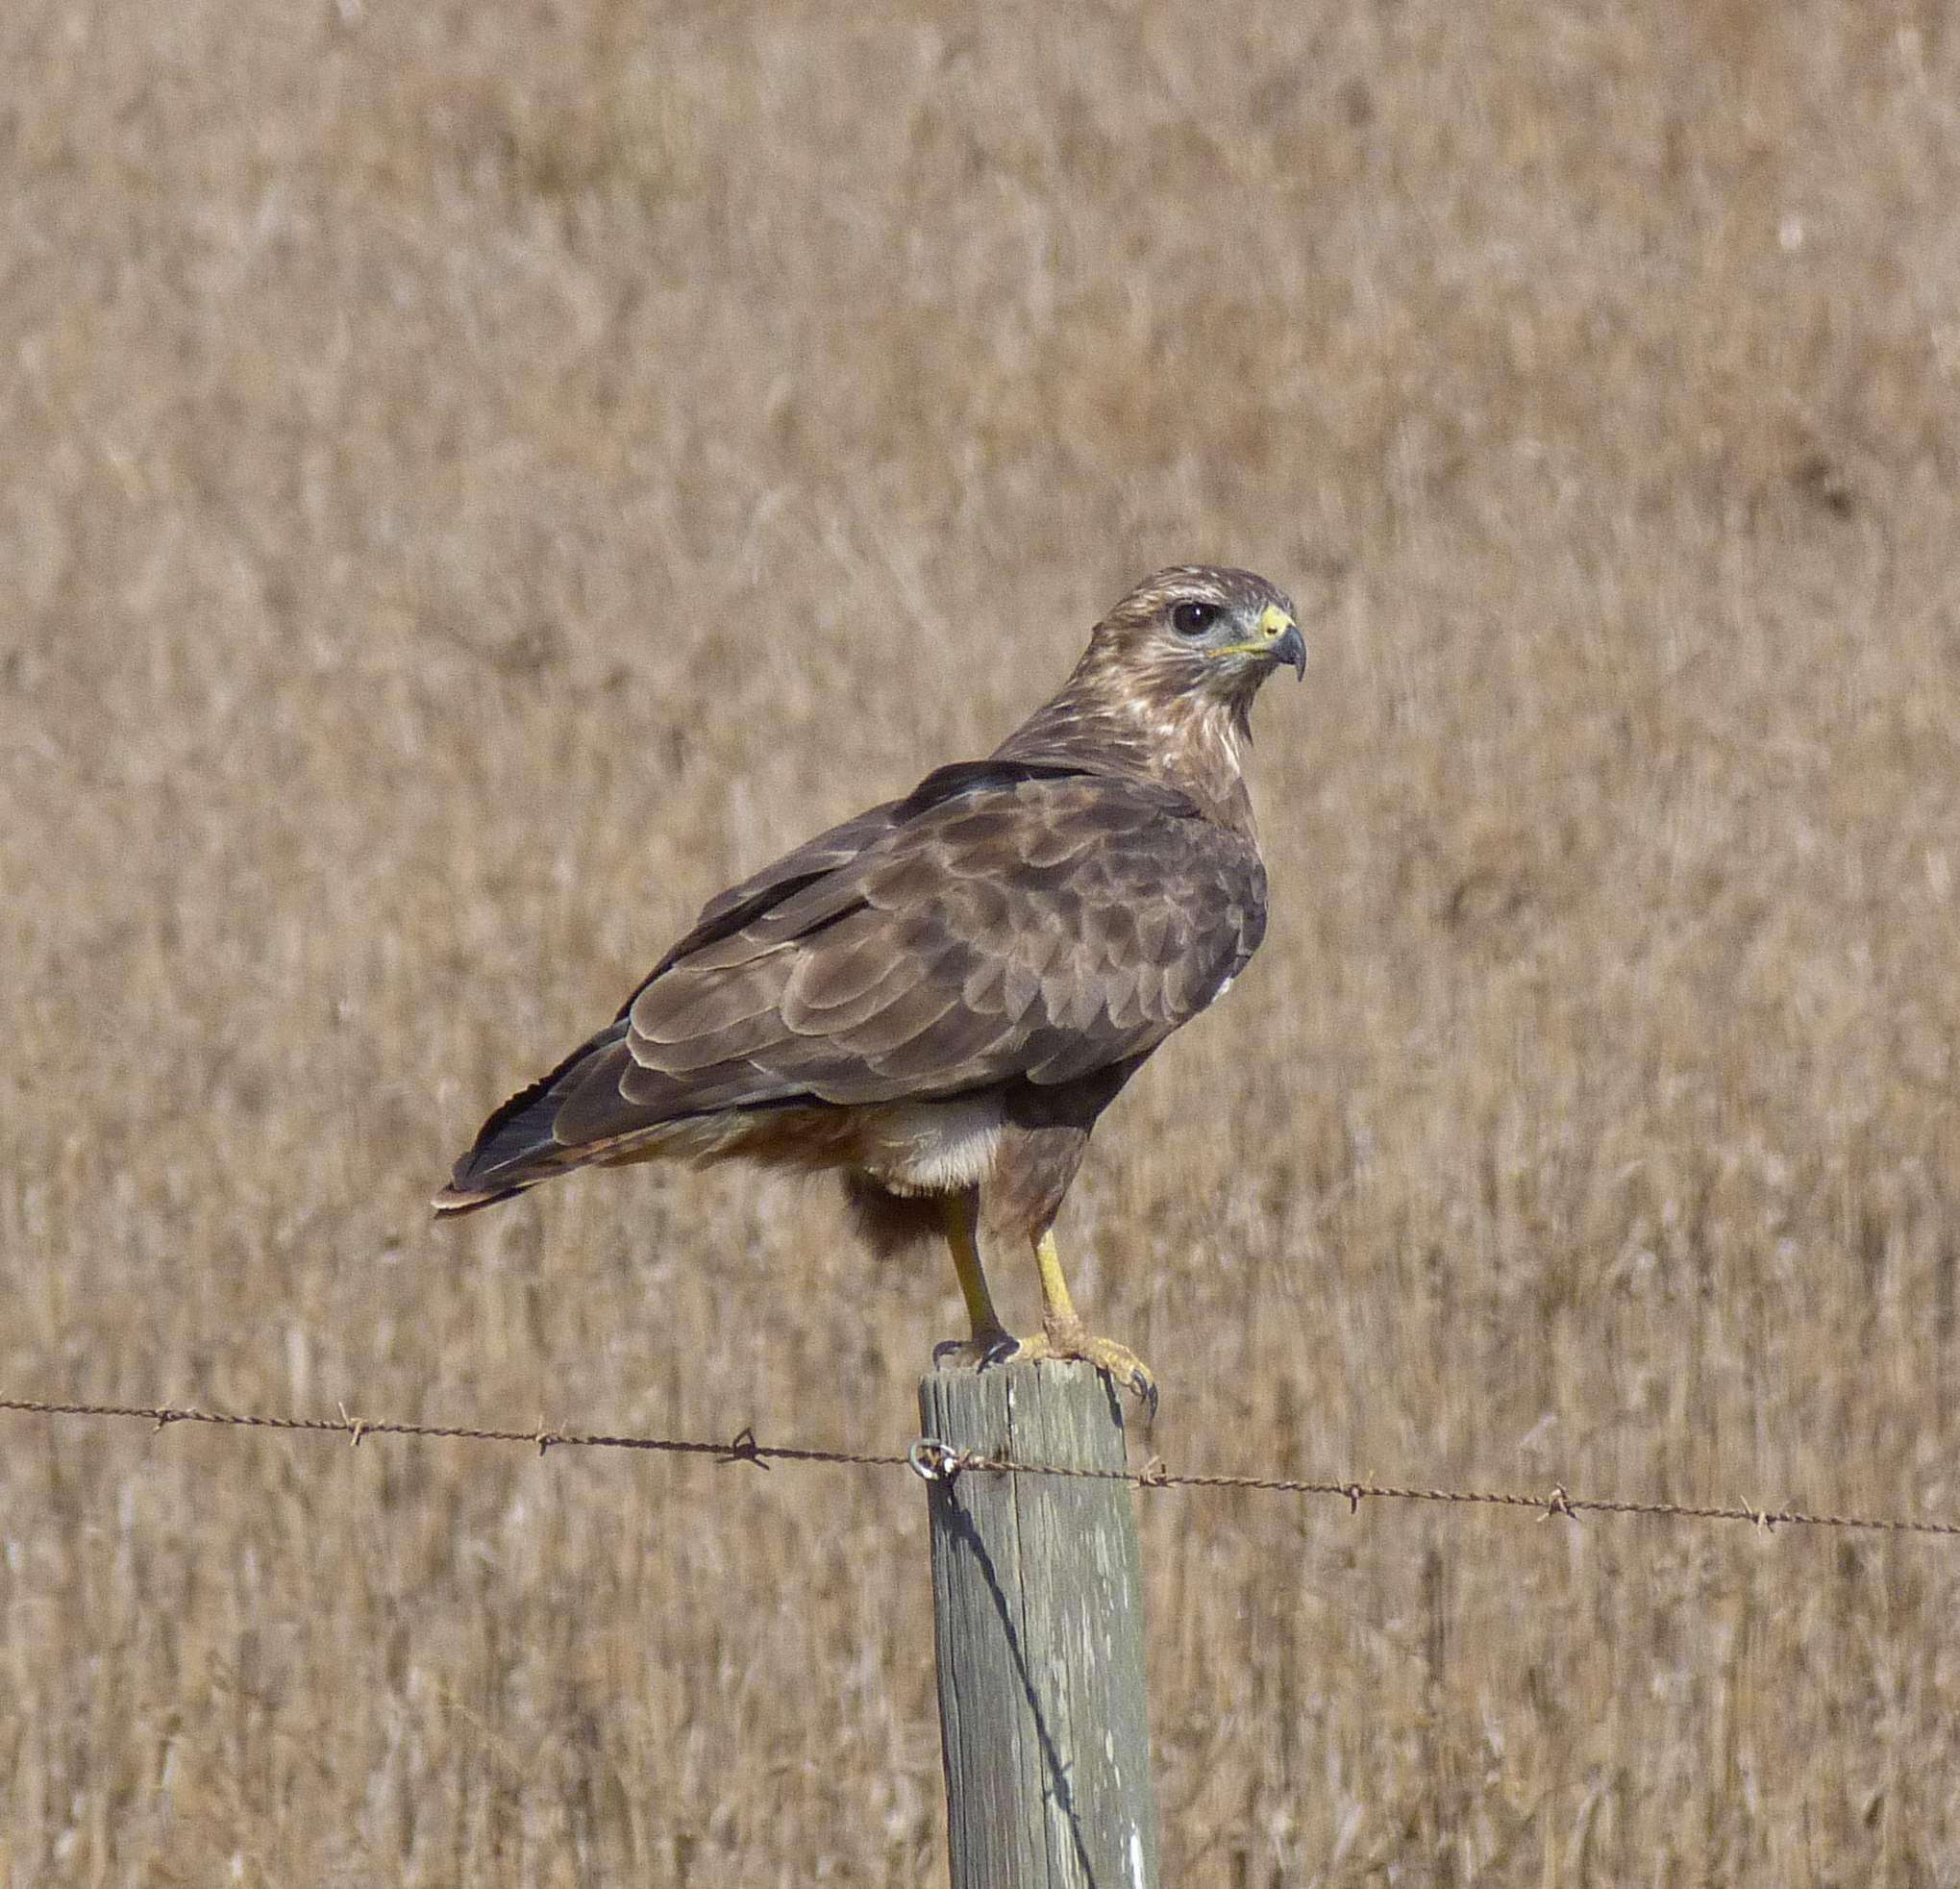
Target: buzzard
(941, 996)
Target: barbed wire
(936, 1461)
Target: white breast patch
(931, 1147)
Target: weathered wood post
(1037, 1600)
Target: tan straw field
(476, 477)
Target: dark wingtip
(505, 1157)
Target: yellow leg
(1063, 1333)
(1056, 1306)
(990, 1338)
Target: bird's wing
(517, 1129)
(1025, 924)
(1004, 920)
(741, 905)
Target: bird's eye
(1194, 619)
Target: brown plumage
(939, 997)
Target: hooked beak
(1282, 640)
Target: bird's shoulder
(1041, 828)
(1074, 837)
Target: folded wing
(1001, 925)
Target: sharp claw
(1142, 1386)
(978, 1354)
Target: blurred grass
(473, 480)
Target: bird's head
(1165, 688)
(1199, 630)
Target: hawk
(940, 997)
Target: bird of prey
(940, 997)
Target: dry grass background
(472, 477)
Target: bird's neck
(1194, 743)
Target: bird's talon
(1117, 1362)
(976, 1353)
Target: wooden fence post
(1037, 1603)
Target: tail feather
(516, 1148)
